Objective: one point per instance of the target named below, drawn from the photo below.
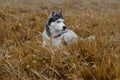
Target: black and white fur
(56, 32)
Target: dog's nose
(64, 27)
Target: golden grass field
(22, 56)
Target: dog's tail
(90, 38)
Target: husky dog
(56, 32)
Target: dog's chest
(58, 40)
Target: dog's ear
(60, 13)
(52, 13)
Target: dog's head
(56, 22)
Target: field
(22, 56)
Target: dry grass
(23, 58)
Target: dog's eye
(58, 21)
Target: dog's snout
(64, 27)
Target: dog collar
(60, 34)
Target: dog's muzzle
(64, 27)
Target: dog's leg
(51, 39)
